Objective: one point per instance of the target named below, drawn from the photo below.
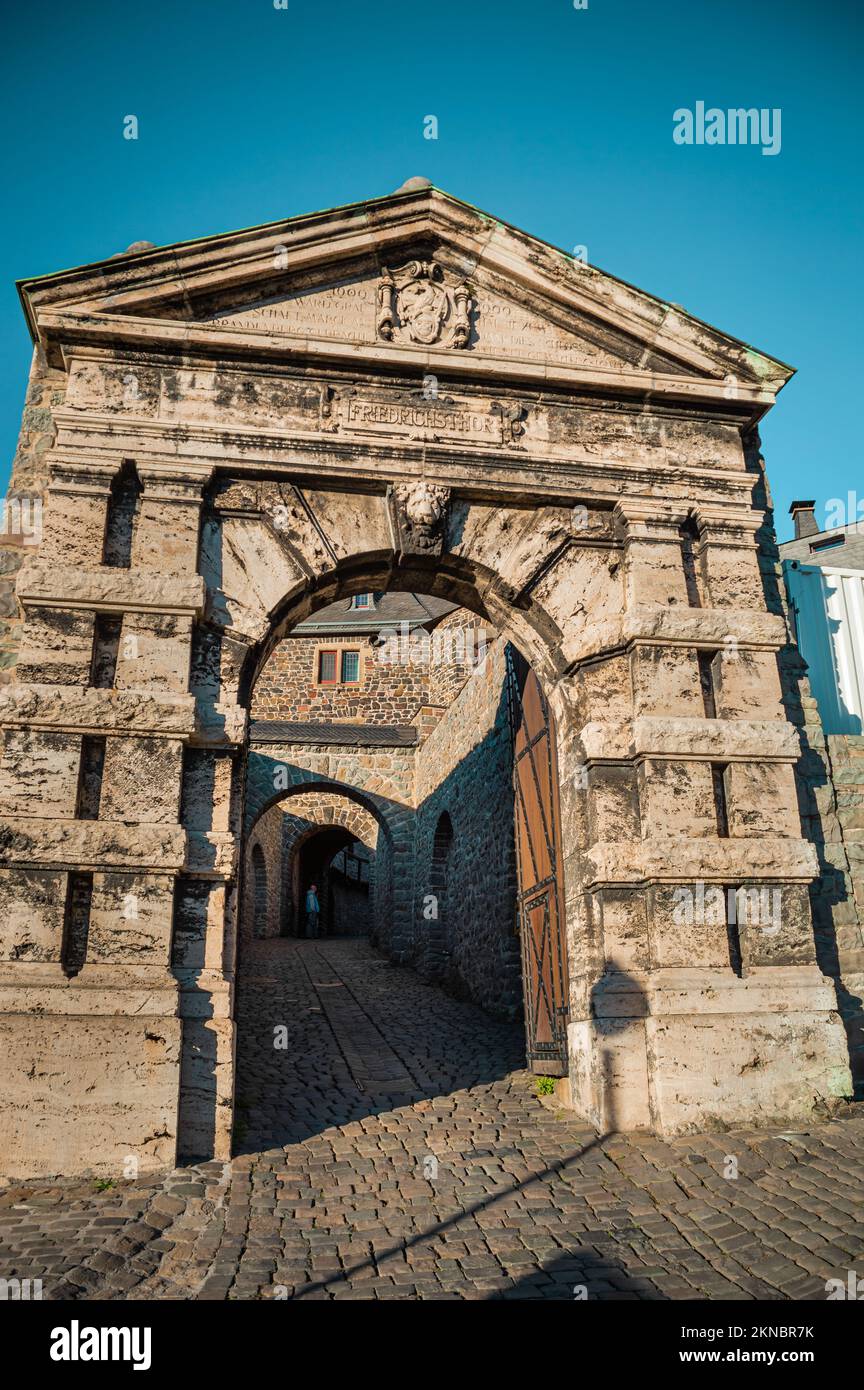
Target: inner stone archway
(277, 836)
(336, 867)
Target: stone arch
(366, 814)
(334, 807)
(518, 567)
(276, 772)
(548, 497)
(297, 815)
(346, 906)
(494, 572)
(273, 555)
(512, 611)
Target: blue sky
(556, 119)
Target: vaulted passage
(457, 871)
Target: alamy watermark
(466, 646)
(20, 1290)
(709, 904)
(737, 126)
(851, 1288)
(843, 511)
(21, 520)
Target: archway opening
(339, 869)
(408, 708)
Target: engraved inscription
(425, 421)
(507, 330)
(340, 311)
(415, 305)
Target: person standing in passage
(313, 909)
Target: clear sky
(556, 119)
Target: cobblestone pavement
(393, 1148)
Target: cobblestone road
(393, 1148)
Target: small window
(327, 668)
(350, 668)
(829, 544)
(361, 601)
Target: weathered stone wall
(24, 513)
(829, 781)
(391, 690)
(845, 759)
(831, 795)
(466, 934)
(352, 907)
(267, 836)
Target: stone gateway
(227, 435)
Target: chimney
(804, 516)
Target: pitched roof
(391, 609)
(170, 296)
(347, 735)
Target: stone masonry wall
(22, 519)
(268, 835)
(829, 780)
(390, 691)
(465, 769)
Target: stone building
(224, 437)
(823, 573)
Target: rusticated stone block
(88, 1094)
(761, 799)
(56, 647)
(699, 1081)
(614, 804)
(677, 797)
(39, 773)
(31, 914)
(154, 653)
(34, 840)
(747, 683)
(94, 710)
(141, 780)
(665, 682)
(130, 919)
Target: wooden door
(539, 892)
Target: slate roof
(391, 609)
(841, 547)
(351, 735)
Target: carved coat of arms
(415, 305)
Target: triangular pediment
(348, 310)
(418, 272)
